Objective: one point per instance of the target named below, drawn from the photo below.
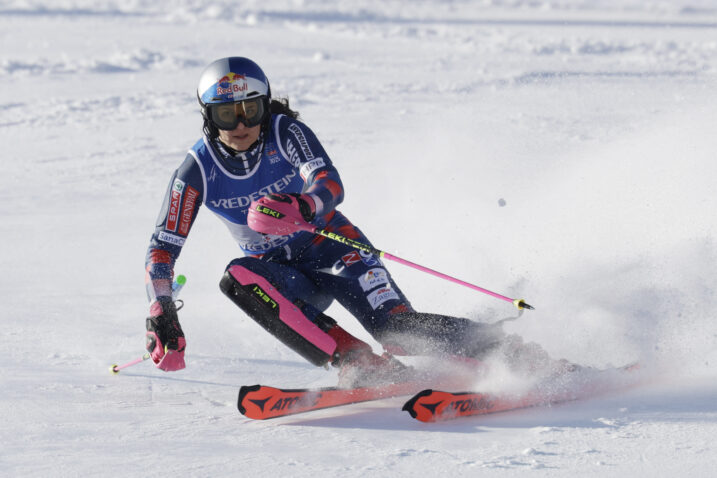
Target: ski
(261, 402)
(437, 405)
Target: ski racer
(255, 153)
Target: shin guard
(277, 314)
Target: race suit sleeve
(303, 150)
(179, 209)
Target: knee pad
(264, 303)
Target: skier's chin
(240, 140)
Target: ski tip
(243, 392)
(410, 405)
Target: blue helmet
(233, 80)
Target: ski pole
(115, 369)
(177, 285)
(519, 303)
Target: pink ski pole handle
(115, 369)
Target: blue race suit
(288, 158)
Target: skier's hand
(281, 214)
(165, 339)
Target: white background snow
(563, 151)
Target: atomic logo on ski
(431, 407)
(260, 403)
(471, 404)
(288, 403)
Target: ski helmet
(233, 90)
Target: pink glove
(165, 339)
(282, 214)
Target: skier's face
(241, 137)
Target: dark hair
(280, 106)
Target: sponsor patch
(373, 278)
(272, 154)
(351, 258)
(233, 85)
(266, 298)
(190, 201)
(310, 167)
(171, 239)
(174, 200)
(369, 259)
(337, 268)
(293, 154)
(244, 201)
(303, 144)
(379, 296)
(269, 243)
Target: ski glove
(282, 214)
(165, 339)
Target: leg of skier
(417, 333)
(420, 333)
(365, 288)
(361, 284)
(289, 306)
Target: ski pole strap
(519, 303)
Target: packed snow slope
(562, 151)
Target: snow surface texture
(560, 151)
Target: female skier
(255, 155)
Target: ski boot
(360, 367)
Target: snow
(556, 150)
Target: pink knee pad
(275, 313)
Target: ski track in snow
(557, 150)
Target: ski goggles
(227, 116)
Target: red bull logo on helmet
(231, 78)
(232, 83)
